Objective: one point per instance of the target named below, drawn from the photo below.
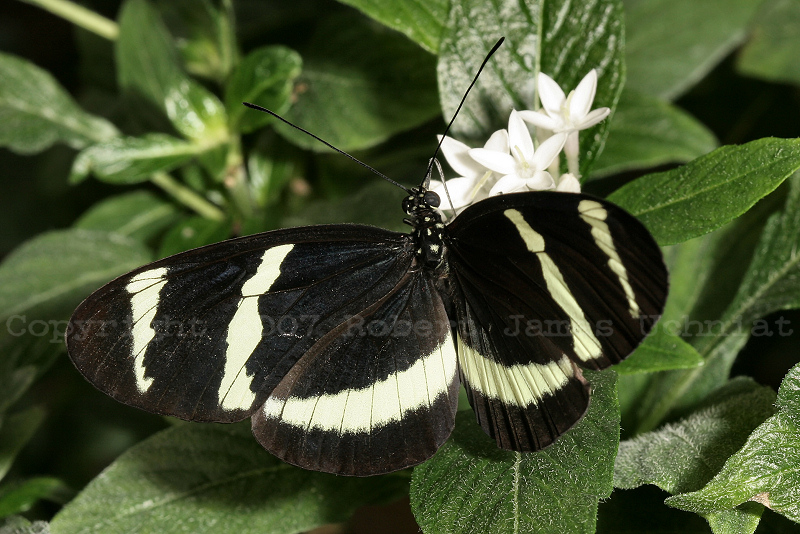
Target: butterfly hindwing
(207, 334)
(545, 283)
(375, 395)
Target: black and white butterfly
(345, 344)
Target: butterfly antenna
(327, 144)
(475, 79)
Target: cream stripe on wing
(245, 331)
(595, 214)
(145, 289)
(384, 402)
(518, 385)
(586, 345)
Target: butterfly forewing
(207, 334)
(545, 283)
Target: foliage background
(696, 75)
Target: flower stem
(80, 16)
(187, 197)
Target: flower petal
(568, 184)
(509, 183)
(581, 101)
(498, 141)
(462, 192)
(457, 155)
(548, 151)
(540, 120)
(541, 181)
(519, 136)
(494, 160)
(594, 116)
(550, 94)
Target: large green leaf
(265, 77)
(138, 214)
(35, 111)
(208, 478)
(646, 131)
(765, 470)
(661, 350)
(360, 84)
(563, 39)
(701, 196)
(672, 44)
(422, 21)
(148, 63)
(470, 485)
(771, 52)
(55, 270)
(21, 495)
(130, 160)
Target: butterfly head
(420, 200)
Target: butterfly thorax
(427, 225)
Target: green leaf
(140, 215)
(148, 63)
(685, 455)
(646, 131)
(36, 112)
(193, 232)
(130, 160)
(356, 96)
(765, 470)
(563, 39)
(55, 270)
(667, 59)
(20, 496)
(470, 485)
(771, 52)
(20, 525)
(203, 478)
(663, 349)
(264, 77)
(420, 21)
(16, 430)
(701, 196)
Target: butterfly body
(346, 344)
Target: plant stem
(80, 16)
(187, 197)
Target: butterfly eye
(432, 199)
(408, 204)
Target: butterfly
(346, 344)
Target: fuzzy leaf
(701, 196)
(470, 485)
(203, 478)
(646, 131)
(139, 214)
(264, 77)
(20, 525)
(666, 59)
(771, 52)
(130, 160)
(563, 39)
(356, 96)
(36, 112)
(420, 21)
(764, 470)
(660, 351)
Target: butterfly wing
(209, 334)
(544, 284)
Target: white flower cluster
(508, 162)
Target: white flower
(474, 179)
(523, 169)
(566, 114)
(567, 183)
